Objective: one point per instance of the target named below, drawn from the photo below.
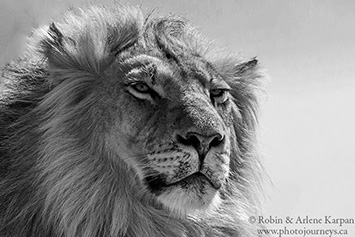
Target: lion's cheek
(125, 147)
(216, 166)
(217, 172)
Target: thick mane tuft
(89, 40)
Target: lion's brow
(147, 73)
(143, 71)
(202, 75)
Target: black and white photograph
(191, 118)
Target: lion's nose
(202, 143)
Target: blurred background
(307, 125)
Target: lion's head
(131, 123)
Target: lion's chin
(190, 196)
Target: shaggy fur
(72, 128)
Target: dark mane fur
(56, 174)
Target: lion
(117, 124)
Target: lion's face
(175, 129)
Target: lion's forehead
(168, 76)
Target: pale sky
(307, 127)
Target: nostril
(217, 140)
(181, 139)
(190, 140)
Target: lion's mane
(57, 177)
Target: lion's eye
(217, 92)
(219, 95)
(141, 90)
(140, 87)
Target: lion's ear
(56, 35)
(247, 75)
(246, 67)
(245, 84)
(90, 41)
(56, 47)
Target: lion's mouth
(158, 183)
